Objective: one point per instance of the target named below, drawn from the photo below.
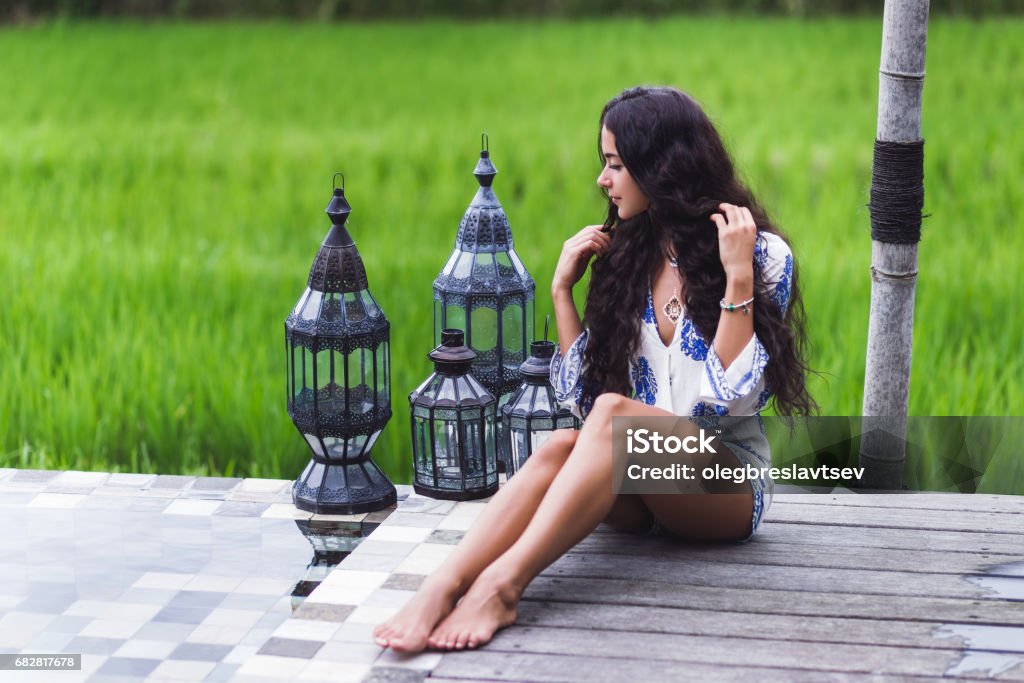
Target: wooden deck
(834, 587)
(854, 587)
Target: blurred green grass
(162, 190)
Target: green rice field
(162, 188)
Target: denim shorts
(758, 485)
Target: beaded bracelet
(743, 306)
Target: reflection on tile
(93, 645)
(205, 652)
(182, 670)
(185, 506)
(146, 649)
(128, 666)
(289, 647)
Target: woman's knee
(607, 405)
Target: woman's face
(622, 189)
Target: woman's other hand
(576, 254)
(736, 236)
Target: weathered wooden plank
(965, 502)
(798, 555)
(851, 658)
(548, 588)
(683, 570)
(824, 533)
(820, 629)
(1011, 523)
(492, 665)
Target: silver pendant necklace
(673, 307)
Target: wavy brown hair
(675, 155)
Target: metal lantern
(453, 427)
(532, 414)
(485, 290)
(339, 384)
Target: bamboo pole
(893, 265)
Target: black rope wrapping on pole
(897, 192)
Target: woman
(681, 231)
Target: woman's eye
(615, 167)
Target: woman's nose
(603, 180)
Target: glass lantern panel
(316, 476)
(484, 271)
(516, 263)
(530, 334)
(544, 401)
(421, 411)
(360, 368)
(512, 324)
(330, 392)
(484, 329)
(304, 366)
(315, 445)
(450, 263)
(353, 479)
(294, 370)
(438, 310)
(372, 309)
(302, 299)
(446, 449)
(520, 450)
(335, 447)
(421, 434)
(489, 444)
(473, 448)
(463, 267)
(454, 318)
(312, 308)
(332, 309)
(354, 312)
(382, 382)
(505, 269)
(359, 445)
(447, 393)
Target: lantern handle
(334, 181)
(485, 142)
(547, 319)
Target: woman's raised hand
(576, 254)
(736, 236)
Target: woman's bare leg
(495, 530)
(579, 498)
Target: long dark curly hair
(675, 155)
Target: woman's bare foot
(489, 605)
(407, 631)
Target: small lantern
(339, 384)
(453, 427)
(532, 414)
(485, 290)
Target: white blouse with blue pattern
(687, 377)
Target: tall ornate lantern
(339, 383)
(532, 414)
(453, 425)
(485, 290)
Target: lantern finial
(485, 170)
(338, 209)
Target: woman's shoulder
(772, 254)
